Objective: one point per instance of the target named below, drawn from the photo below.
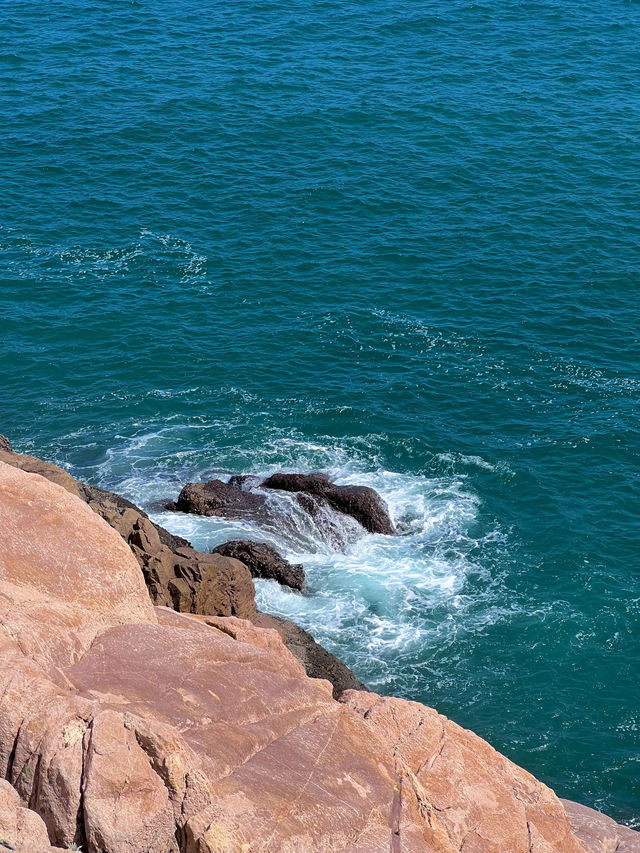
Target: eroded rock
(263, 561)
(176, 574)
(178, 733)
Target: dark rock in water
(244, 482)
(317, 661)
(217, 498)
(263, 561)
(5, 444)
(360, 502)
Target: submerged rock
(263, 561)
(133, 728)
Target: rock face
(37, 466)
(263, 561)
(21, 829)
(316, 660)
(599, 833)
(5, 444)
(360, 502)
(175, 573)
(131, 729)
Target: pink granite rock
(129, 729)
(21, 829)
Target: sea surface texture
(398, 242)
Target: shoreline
(138, 531)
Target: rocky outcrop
(101, 498)
(129, 728)
(5, 444)
(33, 465)
(316, 660)
(315, 494)
(178, 576)
(21, 829)
(263, 561)
(599, 833)
(218, 498)
(175, 573)
(360, 502)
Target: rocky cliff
(129, 727)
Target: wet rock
(218, 498)
(245, 482)
(263, 561)
(360, 502)
(316, 660)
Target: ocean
(398, 242)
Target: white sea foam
(377, 601)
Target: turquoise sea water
(399, 242)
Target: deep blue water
(396, 241)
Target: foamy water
(369, 598)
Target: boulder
(164, 732)
(175, 573)
(218, 498)
(263, 561)
(315, 493)
(360, 502)
(316, 660)
(21, 829)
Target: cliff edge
(129, 727)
